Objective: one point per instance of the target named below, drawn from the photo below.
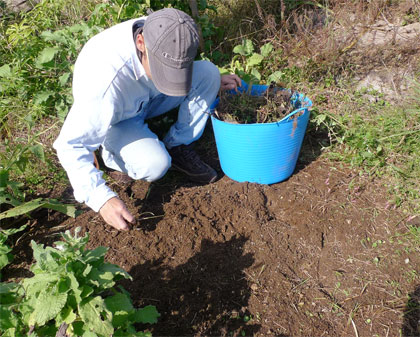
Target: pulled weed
(244, 108)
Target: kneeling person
(135, 70)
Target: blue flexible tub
(263, 153)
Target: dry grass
(323, 38)
(243, 108)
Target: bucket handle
(285, 118)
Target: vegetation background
(357, 60)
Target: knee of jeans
(210, 75)
(154, 169)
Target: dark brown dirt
(316, 255)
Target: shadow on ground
(208, 293)
(411, 326)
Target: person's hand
(229, 82)
(116, 214)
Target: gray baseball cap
(171, 39)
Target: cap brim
(170, 81)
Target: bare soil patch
(311, 256)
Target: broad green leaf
(76, 28)
(22, 209)
(63, 79)
(87, 270)
(26, 309)
(148, 314)
(254, 60)
(66, 315)
(95, 254)
(47, 261)
(202, 5)
(53, 36)
(96, 317)
(69, 210)
(275, 77)
(4, 249)
(245, 49)
(62, 109)
(21, 164)
(255, 73)
(119, 302)
(120, 305)
(15, 188)
(49, 330)
(4, 177)
(4, 259)
(86, 291)
(249, 47)
(38, 151)
(29, 119)
(43, 96)
(6, 198)
(266, 49)
(77, 328)
(46, 55)
(8, 319)
(75, 240)
(89, 334)
(74, 284)
(105, 275)
(37, 249)
(29, 206)
(63, 285)
(12, 231)
(7, 287)
(36, 284)
(9, 299)
(9, 333)
(239, 49)
(48, 306)
(5, 71)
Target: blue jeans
(131, 147)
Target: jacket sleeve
(82, 133)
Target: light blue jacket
(109, 84)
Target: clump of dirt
(244, 108)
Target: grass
(380, 140)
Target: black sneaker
(186, 160)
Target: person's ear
(140, 43)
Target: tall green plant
(13, 160)
(253, 66)
(72, 287)
(5, 250)
(39, 56)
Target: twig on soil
(280, 326)
(354, 327)
(25, 233)
(150, 217)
